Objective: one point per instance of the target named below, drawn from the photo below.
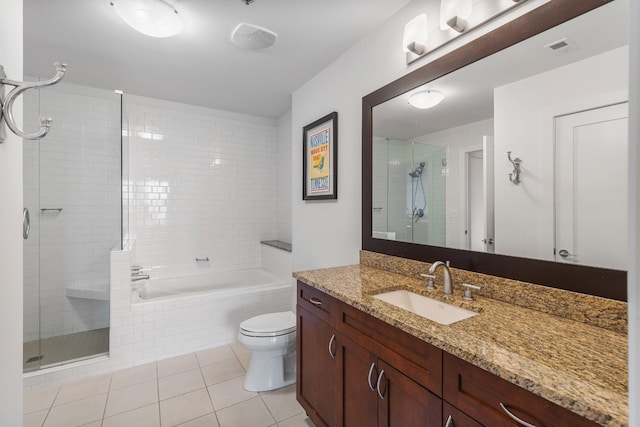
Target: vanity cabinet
(496, 402)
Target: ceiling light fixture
(154, 18)
(426, 99)
(415, 35)
(454, 14)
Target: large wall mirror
(519, 170)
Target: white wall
(204, 187)
(284, 179)
(634, 217)
(76, 168)
(11, 228)
(524, 113)
(328, 233)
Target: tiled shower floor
(65, 348)
(202, 389)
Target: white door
(488, 202)
(479, 228)
(591, 187)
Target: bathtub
(226, 283)
(171, 315)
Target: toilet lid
(271, 324)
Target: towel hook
(515, 175)
(6, 112)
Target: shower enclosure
(409, 199)
(72, 190)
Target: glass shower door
(72, 188)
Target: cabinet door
(403, 402)
(317, 371)
(359, 374)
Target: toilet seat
(269, 325)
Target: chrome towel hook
(6, 112)
(515, 175)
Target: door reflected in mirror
(556, 101)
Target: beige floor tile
(35, 419)
(282, 403)
(147, 416)
(82, 389)
(229, 393)
(239, 349)
(214, 355)
(77, 413)
(222, 371)
(252, 413)
(132, 376)
(178, 364)
(36, 400)
(300, 420)
(185, 407)
(206, 421)
(181, 383)
(244, 361)
(128, 398)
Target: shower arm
(6, 112)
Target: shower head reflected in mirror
(417, 171)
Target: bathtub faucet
(136, 274)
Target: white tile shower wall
(75, 168)
(203, 184)
(146, 332)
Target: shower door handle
(26, 223)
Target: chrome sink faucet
(448, 282)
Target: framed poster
(320, 159)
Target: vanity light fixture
(415, 35)
(426, 99)
(454, 14)
(154, 18)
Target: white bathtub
(170, 315)
(223, 284)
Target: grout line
(158, 390)
(106, 401)
(50, 406)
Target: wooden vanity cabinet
(487, 398)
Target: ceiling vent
(249, 36)
(562, 46)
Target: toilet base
(270, 370)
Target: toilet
(272, 341)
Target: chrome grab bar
(26, 223)
(45, 210)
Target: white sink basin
(437, 311)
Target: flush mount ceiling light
(249, 36)
(415, 35)
(154, 18)
(454, 14)
(426, 98)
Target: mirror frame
(601, 282)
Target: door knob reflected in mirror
(565, 253)
(26, 223)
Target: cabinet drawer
(316, 302)
(414, 357)
(486, 398)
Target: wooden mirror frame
(584, 279)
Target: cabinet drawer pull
(449, 422)
(332, 354)
(514, 418)
(315, 301)
(373, 365)
(378, 384)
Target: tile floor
(202, 389)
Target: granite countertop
(575, 365)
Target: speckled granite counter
(575, 365)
